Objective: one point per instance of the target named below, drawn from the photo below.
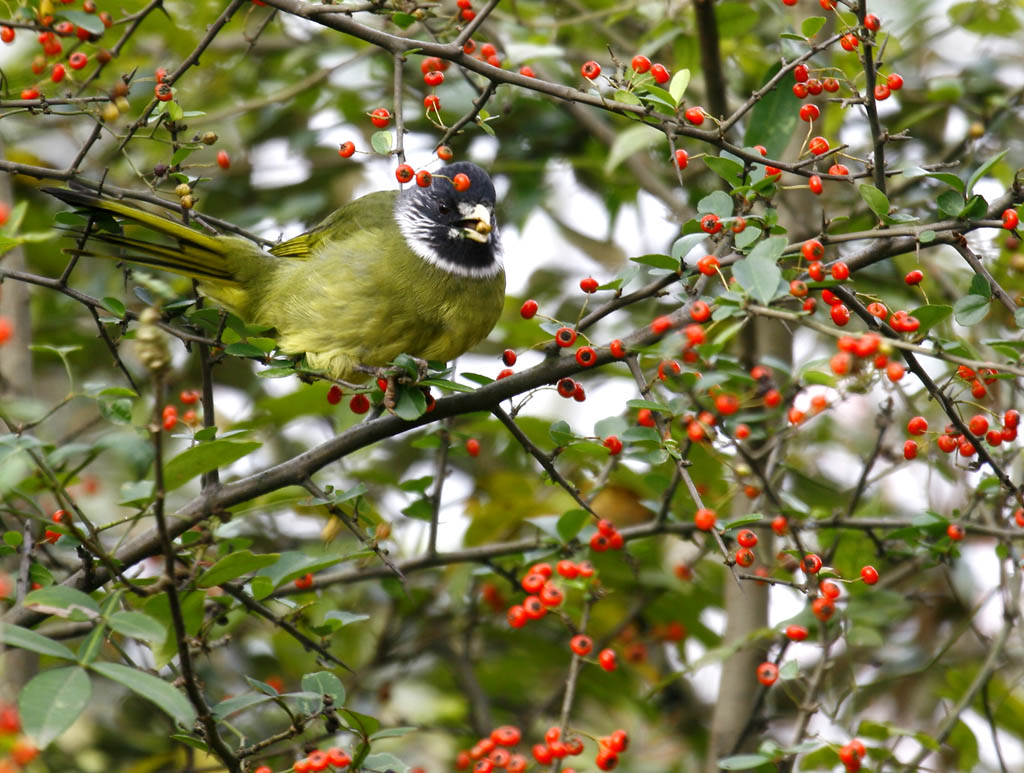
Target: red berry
(830, 85)
(380, 117)
(882, 92)
(955, 532)
(801, 73)
(645, 418)
(823, 608)
(818, 145)
(78, 60)
(917, 425)
(1011, 419)
(1010, 219)
(840, 314)
(810, 564)
(581, 644)
(433, 78)
(432, 102)
(767, 673)
(661, 325)
(710, 223)
(57, 75)
(359, 404)
(509, 357)
(424, 178)
(809, 112)
(894, 82)
(617, 349)
(589, 285)
(517, 616)
(813, 250)
(640, 63)
(590, 70)
(566, 387)
(565, 336)
(694, 115)
(613, 444)
(744, 557)
(607, 660)
(334, 394)
(869, 575)
(840, 271)
(708, 265)
(814, 86)
(877, 309)
(796, 632)
(445, 153)
(473, 446)
(346, 149)
(872, 22)
(606, 759)
(404, 173)
(660, 73)
(528, 309)
(849, 42)
(704, 519)
(682, 158)
(6, 34)
(305, 582)
(978, 425)
(800, 90)
(746, 538)
(460, 182)
(28, 94)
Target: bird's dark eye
(444, 209)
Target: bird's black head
(453, 229)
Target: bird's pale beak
(477, 225)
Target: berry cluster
(17, 749)
(169, 416)
(332, 759)
(544, 593)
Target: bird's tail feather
(197, 255)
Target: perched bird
(417, 272)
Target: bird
(417, 271)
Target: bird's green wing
(368, 212)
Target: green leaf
(982, 170)
(261, 587)
(384, 762)
(62, 597)
(322, 683)
(747, 236)
(137, 625)
(381, 142)
(970, 310)
(392, 732)
(759, 273)
(950, 202)
(719, 203)
(244, 349)
(51, 702)
(235, 565)
(931, 315)
(1018, 317)
(411, 404)
(27, 639)
(729, 170)
(658, 261)
(180, 155)
(570, 523)
(403, 20)
(203, 458)
(770, 249)
(926, 237)
(156, 690)
(980, 286)
(626, 97)
(975, 207)
(682, 246)
(629, 141)
(743, 761)
(87, 21)
(13, 538)
(174, 111)
(877, 201)
(677, 86)
(114, 306)
(774, 118)
(812, 25)
(561, 433)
